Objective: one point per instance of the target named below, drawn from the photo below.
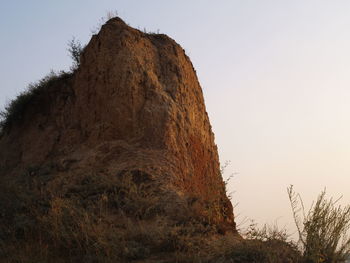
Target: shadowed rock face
(134, 104)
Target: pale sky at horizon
(275, 76)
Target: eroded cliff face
(133, 106)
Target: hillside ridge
(123, 140)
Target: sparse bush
(257, 251)
(268, 244)
(75, 49)
(260, 245)
(109, 15)
(322, 230)
(265, 233)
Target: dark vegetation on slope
(32, 99)
(118, 218)
(114, 218)
(102, 218)
(35, 96)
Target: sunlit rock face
(135, 106)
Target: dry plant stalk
(323, 229)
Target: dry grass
(51, 217)
(268, 244)
(323, 230)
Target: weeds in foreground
(268, 244)
(46, 217)
(323, 236)
(323, 230)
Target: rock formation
(133, 107)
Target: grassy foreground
(116, 218)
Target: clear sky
(275, 76)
